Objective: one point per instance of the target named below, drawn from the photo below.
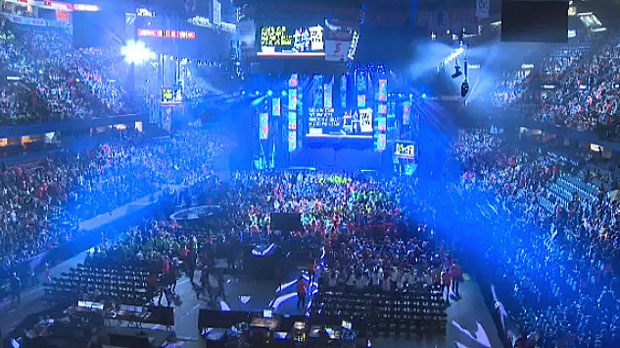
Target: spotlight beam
(136, 52)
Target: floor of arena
(470, 324)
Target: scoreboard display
(404, 150)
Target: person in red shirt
(446, 278)
(457, 276)
(301, 292)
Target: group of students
(535, 245)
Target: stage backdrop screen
(291, 40)
(331, 123)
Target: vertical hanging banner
(381, 142)
(406, 113)
(482, 8)
(293, 83)
(382, 124)
(292, 131)
(328, 94)
(361, 101)
(343, 91)
(292, 141)
(276, 109)
(263, 132)
(292, 120)
(292, 99)
(383, 91)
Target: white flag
(482, 8)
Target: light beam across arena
(136, 52)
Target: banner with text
(25, 20)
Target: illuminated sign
(171, 95)
(143, 12)
(404, 150)
(263, 131)
(86, 8)
(353, 47)
(282, 41)
(60, 6)
(275, 107)
(383, 93)
(168, 34)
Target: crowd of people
(53, 81)
(43, 201)
(576, 86)
(557, 265)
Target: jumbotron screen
(328, 123)
(291, 41)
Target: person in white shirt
(412, 278)
(400, 283)
(386, 285)
(350, 280)
(360, 283)
(332, 281)
(376, 280)
(394, 277)
(342, 279)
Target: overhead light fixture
(464, 88)
(457, 72)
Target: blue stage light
(269, 93)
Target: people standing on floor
(457, 278)
(221, 291)
(191, 264)
(46, 272)
(446, 280)
(311, 272)
(204, 282)
(16, 288)
(172, 277)
(301, 292)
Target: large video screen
(329, 123)
(299, 40)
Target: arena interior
(309, 173)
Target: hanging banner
(292, 121)
(366, 120)
(292, 141)
(343, 91)
(25, 20)
(292, 99)
(328, 95)
(406, 113)
(276, 110)
(482, 8)
(263, 133)
(383, 91)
